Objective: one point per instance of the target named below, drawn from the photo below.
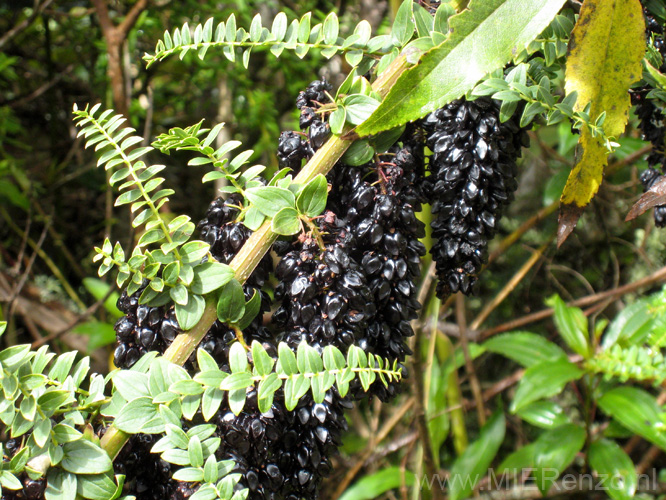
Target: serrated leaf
(474, 49)
(524, 347)
(544, 414)
(606, 49)
(544, 380)
(611, 462)
(637, 410)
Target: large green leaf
(471, 466)
(613, 464)
(524, 348)
(482, 39)
(374, 485)
(544, 380)
(637, 410)
(554, 451)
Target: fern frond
(638, 363)
(139, 183)
(298, 36)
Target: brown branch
(508, 288)
(37, 9)
(656, 277)
(115, 36)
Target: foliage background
(55, 205)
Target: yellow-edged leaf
(605, 53)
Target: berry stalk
(249, 256)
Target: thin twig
(80, 318)
(524, 227)
(469, 365)
(656, 277)
(508, 288)
(47, 260)
(381, 435)
(24, 277)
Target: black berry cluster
(652, 118)
(283, 454)
(472, 178)
(148, 477)
(142, 329)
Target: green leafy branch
(147, 402)
(644, 364)
(359, 48)
(44, 404)
(175, 271)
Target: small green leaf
(358, 153)
(60, 485)
(210, 276)
(135, 415)
(295, 387)
(195, 452)
(193, 251)
(238, 358)
(359, 107)
(286, 222)
(544, 414)
(252, 308)
(269, 200)
(403, 25)
(331, 28)
(337, 120)
(188, 315)
(287, 359)
(96, 486)
(83, 457)
(263, 363)
(231, 304)
(630, 326)
(311, 200)
(253, 218)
